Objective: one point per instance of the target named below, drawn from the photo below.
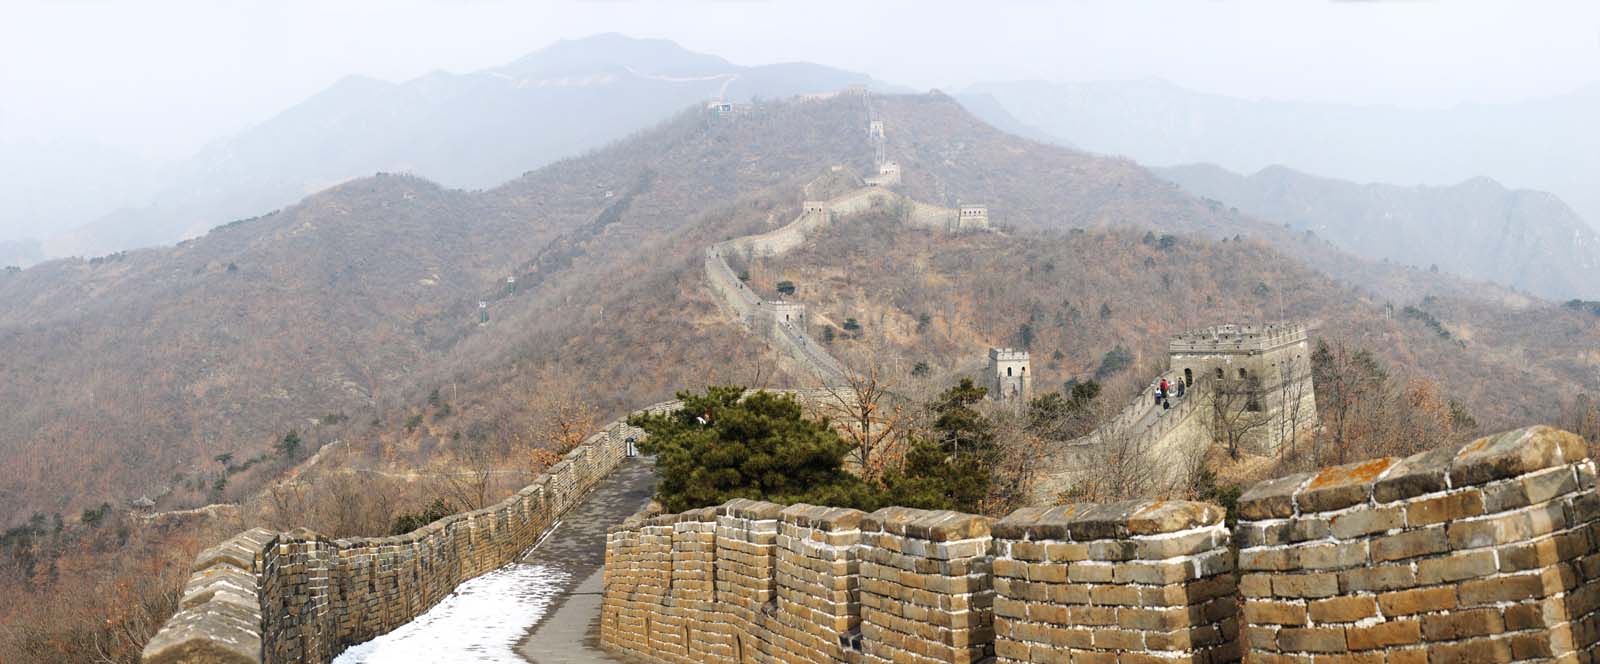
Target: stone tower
(1263, 372)
(972, 217)
(1008, 374)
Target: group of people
(1166, 392)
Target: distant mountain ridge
(470, 130)
(1529, 240)
(1547, 144)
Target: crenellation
(1471, 551)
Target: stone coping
(932, 525)
(1090, 521)
(825, 518)
(1389, 479)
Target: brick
(1457, 566)
(1385, 634)
(1271, 499)
(1377, 578)
(1312, 639)
(1462, 624)
(1305, 585)
(1343, 609)
(1513, 588)
(1367, 521)
(1261, 612)
(1456, 505)
(1473, 650)
(1514, 453)
(1421, 600)
(1416, 475)
(1409, 544)
(1342, 486)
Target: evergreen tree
(952, 470)
(720, 446)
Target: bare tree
(1292, 381)
(1120, 468)
(1236, 411)
(871, 417)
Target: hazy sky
(162, 76)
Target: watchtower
(888, 175)
(815, 207)
(1265, 369)
(783, 312)
(1008, 374)
(972, 218)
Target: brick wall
(268, 597)
(1480, 552)
(1484, 552)
(1141, 581)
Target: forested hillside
(1102, 304)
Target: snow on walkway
(482, 621)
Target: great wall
(1486, 551)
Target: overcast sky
(163, 76)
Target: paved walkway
(544, 608)
(568, 632)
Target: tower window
(1008, 371)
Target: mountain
(346, 315)
(470, 130)
(19, 253)
(1526, 239)
(1546, 144)
(48, 187)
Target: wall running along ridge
(749, 308)
(1484, 552)
(269, 597)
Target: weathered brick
(1312, 639)
(1456, 505)
(1305, 585)
(1384, 634)
(1421, 600)
(1366, 521)
(1343, 609)
(1263, 612)
(1462, 624)
(1409, 544)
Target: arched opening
(1188, 376)
(1242, 374)
(1008, 372)
(1219, 373)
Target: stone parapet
(926, 590)
(268, 597)
(1132, 581)
(1480, 552)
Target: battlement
(1008, 374)
(1233, 338)
(1008, 355)
(1477, 552)
(972, 217)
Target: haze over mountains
(1527, 239)
(1436, 174)
(1546, 144)
(479, 129)
(470, 130)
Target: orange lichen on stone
(1359, 473)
